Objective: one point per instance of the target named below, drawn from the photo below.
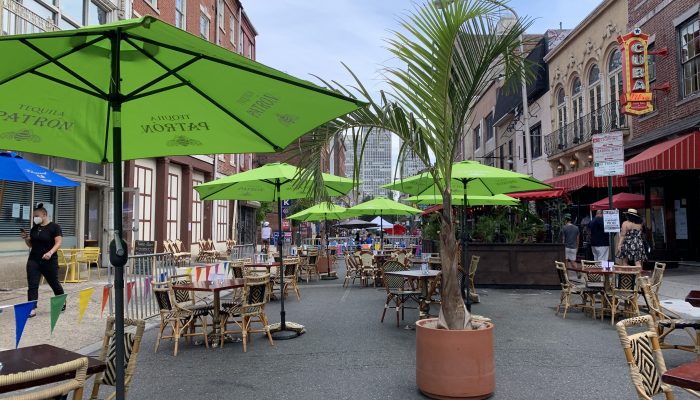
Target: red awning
(625, 200)
(675, 154)
(582, 178)
(432, 209)
(538, 194)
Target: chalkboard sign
(143, 265)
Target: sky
(313, 37)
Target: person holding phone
(43, 239)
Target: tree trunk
(453, 313)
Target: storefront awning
(430, 210)
(584, 178)
(538, 194)
(676, 154)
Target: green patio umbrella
(470, 178)
(271, 182)
(381, 206)
(142, 88)
(322, 212)
(497, 200)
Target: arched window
(595, 99)
(561, 117)
(615, 87)
(577, 109)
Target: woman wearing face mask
(44, 239)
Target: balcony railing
(17, 19)
(607, 118)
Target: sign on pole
(286, 206)
(608, 154)
(611, 220)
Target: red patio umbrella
(625, 200)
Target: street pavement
(348, 354)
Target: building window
(144, 181)
(180, 13)
(615, 87)
(197, 210)
(220, 14)
(67, 165)
(232, 30)
(221, 220)
(477, 138)
(96, 14)
(689, 33)
(536, 141)
(561, 117)
(577, 107)
(93, 170)
(153, 3)
(489, 126)
(204, 26)
(172, 226)
(651, 60)
(595, 99)
(510, 154)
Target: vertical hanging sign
(636, 94)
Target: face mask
(38, 220)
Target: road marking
(345, 295)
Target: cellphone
(21, 230)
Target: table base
(285, 335)
(329, 277)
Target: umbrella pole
(381, 230)
(465, 275)
(283, 333)
(328, 253)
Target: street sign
(608, 154)
(285, 224)
(286, 206)
(611, 220)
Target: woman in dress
(630, 243)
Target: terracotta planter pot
(454, 364)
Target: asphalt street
(348, 354)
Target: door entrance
(93, 217)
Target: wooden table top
(602, 271)
(685, 376)
(263, 265)
(693, 298)
(41, 356)
(415, 273)
(211, 286)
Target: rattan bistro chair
(291, 275)
(75, 385)
(179, 316)
(252, 310)
(473, 265)
(568, 290)
(132, 345)
(644, 357)
(310, 265)
(625, 292)
(397, 289)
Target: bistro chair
(132, 345)
(252, 309)
(568, 290)
(310, 267)
(625, 292)
(68, 258)
(353, 270)
(397, 290)
(369, 268)
(180, 317)
(75, 385)
(473, 265)
(291, 274)
(89, 256)
(435, 264)
(644, 357)
(595, 284)
(666, 321)
(657, 276)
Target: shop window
(536, 141)
(477, 138)
(489, 126)
(689, 34)
(66, 165)
(93, 170)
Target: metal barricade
(242, 251)
(139, 272)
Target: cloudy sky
(312, 37)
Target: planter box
(529, 264)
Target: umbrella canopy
(15, 168)
(355, 223)
(472, 177)
(381, 205)
(320, 212)
(261, 184)
(457, 199)
(625, 200)
(143, 88)
(178, 95)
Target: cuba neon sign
(636, 96)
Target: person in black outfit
(599, 238)
(43, 240)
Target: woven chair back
(161, 291)
(290, 267)
(181, 296)
(643, 352)
(626, 279)
(651, 299)
(435, 263)
(132, 344)
(473, 265)
(589, 277)
(563, 276)
(658, 275)
(367, 259)
(77, 368)
(255, 291)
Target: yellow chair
(89, 256)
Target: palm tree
(450, 53)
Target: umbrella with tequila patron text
(143, 88)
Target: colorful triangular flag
(83, 300)
(22, 312)
(147, 287)
(129, 290)
(188, 271)
(105, 297)
(216, 269)
(208, 269)
(163, 275)
(199, 272)
(226, 268)
(57, 303)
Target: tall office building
(375, 168)
(412, 165)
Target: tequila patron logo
(28, 117)
(261, 105)
(174, 123)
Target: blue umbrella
(15, 168)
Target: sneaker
(64, 307)
(32, 314)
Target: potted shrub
(450, 53)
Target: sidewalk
(68, 333)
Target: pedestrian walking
(600, 241)
(265, 235)
(631, 245)
(43, 239)
(570, 233)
